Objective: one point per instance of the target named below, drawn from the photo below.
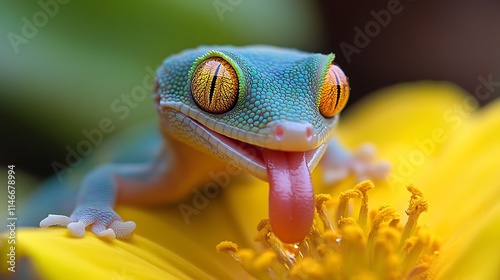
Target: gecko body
(269, 111)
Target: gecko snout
(292, 136)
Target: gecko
(269, 111)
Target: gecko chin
(291, 195)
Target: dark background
(88, 54)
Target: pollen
(357, 244)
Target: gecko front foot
(105, 223)
(339, 163)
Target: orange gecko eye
(215, 85)
(334, 93)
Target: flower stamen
(321, 209)
(343, 208)
(264, 236)
(363, 187)
(346, 249)
(417, 205)
(228, 247)
(385, 213)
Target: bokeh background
(64, 63)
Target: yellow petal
(407, 124)
(194, 241)
(55, 255)
(164, 247)
(248, 202)
(476, 254)
(399, 114)
(465, 179)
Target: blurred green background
(63, 63)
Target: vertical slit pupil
(334, 93)
(215, 85)
(214, 82)
(337, 87)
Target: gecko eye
(334, 93)
(215, 86)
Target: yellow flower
(431, 133)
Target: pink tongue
(291, 196)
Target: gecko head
(268, 111)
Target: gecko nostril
(309, 133)
(279, 131)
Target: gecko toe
(105, 223)
(381, 169)
(123, 229)
(333, 175)
(77, 229)
(55, 220)
(116, 229)
(366, 166)
(101, 231)
(362, 163)
(366, 152)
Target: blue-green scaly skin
(275, 84)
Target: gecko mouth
(250, 157)
(214, 139)
(291, 195)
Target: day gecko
(269, 111)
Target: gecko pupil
(334, 93)
(338, 89)
(214, 82)
(214, 85)
(338, 95)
